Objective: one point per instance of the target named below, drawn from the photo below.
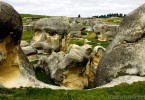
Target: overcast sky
(86, 8)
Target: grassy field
(112, 20)
(35, 16)
(121, 92)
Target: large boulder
(76, 27)
(100, 30)
(112, 31)
(75, 68)
(27, 27)
(15, 70)
(51, 31)
(125, 55)
(74, 34)
(30, 52)
(53, 25)
(42, 47)
(105, 32)
(24, 43)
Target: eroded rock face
(112, 31)
(24, 43)
(51, 31)
(74, 34)
(31, 53)
(105, 32)
(12, 59)
(125, 55)
(75, 68)
(101, 29)
(15, 70)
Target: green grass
(112, 20)
(33, 15)
(40, 75)
(27, 36)
(135, 91)
(92, 37)
(95, 42)
(77, 42)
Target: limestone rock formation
(111, 32)
(125, 55)
(31, 53)
(76, 27)
(74, 34)
(96, 56)
(15, 70)
(42, 47)
(101, 29)
(105, 32)
(51, 31)
(24, 43)
(28, 27)
(74, 68)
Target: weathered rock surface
(42, 47)
(15, 70)
(53, 25)
(31, 53)
(112, 31)
(105, 32)
(76, 27)
(28, 27)
(74, 68)
(96, 56)
(74, 34)
(129, 79)
(29, 50)
(125, 55)
(51, 31)
(101, 29)
(24, 43)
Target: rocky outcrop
(24, 43)
(112, 31)
(101, 29)
(74, 34)
(75, 68)
(30, 52)
(96, 56)
(28, 27)
(42, 47)
(76, 27)
(51, 31)
(15, 70)
(105, 32)
(125, 55)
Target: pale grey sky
(86, 8)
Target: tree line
(110, 15)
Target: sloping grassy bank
(135, 91)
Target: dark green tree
(79, 16)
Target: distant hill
(35, 16)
